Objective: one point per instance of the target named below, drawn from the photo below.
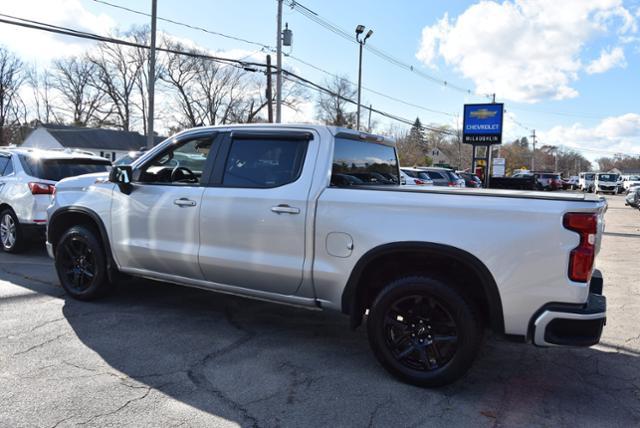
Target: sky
(568, 69)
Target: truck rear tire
(81, 264)
(423, 331)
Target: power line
(36, 25)
(312, 85)
(193, 27)
(271, 49)
(373, 91)
(315, 17)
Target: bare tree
(332, 109)
(118, 70)
(41, 83)
(11, 106)
(178, 72)
(72, 77)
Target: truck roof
(336, 131)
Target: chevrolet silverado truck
(256, 211)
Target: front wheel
(81, 264)
(423, 331)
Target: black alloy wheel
(80, 263)
(424, 331)
(420, 332)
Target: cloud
(608, 59)
(523, 50)
(616, 134)
(41, 46)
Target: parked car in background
(27, 180)
(543, 180)
(633, 197)
(416, 177)
(633, 188)
(632, 180)
(443, 176)
(571, 183)
(470, 179)
(606, 183)
(585, 181)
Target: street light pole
(359, 30)
(152, 75)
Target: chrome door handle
(184, 202)
(285, 209)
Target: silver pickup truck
(315, 216)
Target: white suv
(27, 181)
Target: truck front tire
(423, 331)
(81, 264)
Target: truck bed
(501, 193)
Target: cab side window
(184, 163)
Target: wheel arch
(66, 217)
(354, 297)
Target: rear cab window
(363, 163)
(57, 169)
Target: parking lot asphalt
(161, 355)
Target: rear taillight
(452, 184)
(41, 188)
(419, 182)
(582, 257)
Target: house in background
(109, 143)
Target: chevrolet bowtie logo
(483, 113)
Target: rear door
(254, 212)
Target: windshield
(589, 176)
(634, 178)
(57, 169)
(607, 177)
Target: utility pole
(533, 155)
(269, 91)
(152, 74)
(369, 126)
(279, 65)
(555, 152)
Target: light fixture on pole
(359, 30)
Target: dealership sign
(482, 124)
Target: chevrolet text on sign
(483, 123)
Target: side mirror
(121, 175)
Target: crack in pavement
(198, 377)
(127, 403)
(40, 345)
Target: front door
(253, 216)
(155, 228)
